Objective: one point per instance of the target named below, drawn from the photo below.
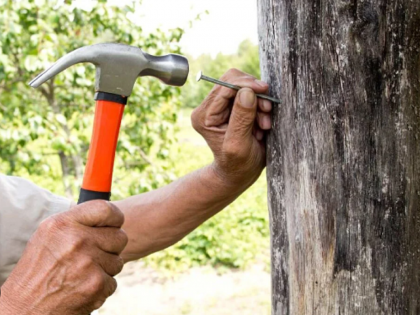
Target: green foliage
(246, 59)
(235, 237)
(46, 132)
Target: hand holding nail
(201, 76)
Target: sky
(228, 22)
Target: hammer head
(119, 65)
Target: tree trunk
(71, 165)
(65, 169)
(344, 154)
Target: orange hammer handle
(97, 179)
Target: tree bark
(65, 169)
(344, 154)
(71, 165)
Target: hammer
(117, 69)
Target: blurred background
(223, 266)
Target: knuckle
(109, 210)
(96, 284)
(98, 303)
(120, 240)
(231, 73)
(112, 286)
(234, 151)
(242, 121)
(51, 224)
(106, 210)
(72, 245)
(230, 151)
(118, 264)
(123, 238)
(84, 264)
(115, 212)
(195, 119)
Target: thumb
(97, 213)
(242, 118)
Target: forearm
(160, 218)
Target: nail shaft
(201, 76)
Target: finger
(97, 213)
(214, 110)
(220, 94)
(259, 134)
(264, 105)
(98, 287)
(217, 114)
(110, 240)
(247, 81)
(264, 121)
(110, 263)
(110, 285)
(242, 79)
(242, 119)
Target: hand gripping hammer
(117, 68)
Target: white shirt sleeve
(23, 206)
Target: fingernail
(267, 105)
(247, 98)
(261, 83)
(259, 135)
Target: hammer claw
(83, 54)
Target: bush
(235, 237)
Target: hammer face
(119, 65)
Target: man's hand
(69, 263)
(233, 125)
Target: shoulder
(21, 194)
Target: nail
(247, 98)
(259, 135)
(201, 76)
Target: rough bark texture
(344, 154)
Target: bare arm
(160, 218)
(232, 126)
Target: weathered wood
(344, 154)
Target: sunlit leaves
(36, 125)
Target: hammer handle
(97, 178)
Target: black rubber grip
(88, 195)
(103, 96)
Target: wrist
(230, 182)
(235, 181)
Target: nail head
(199, 75)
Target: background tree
(33, 34)
(343, 157)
